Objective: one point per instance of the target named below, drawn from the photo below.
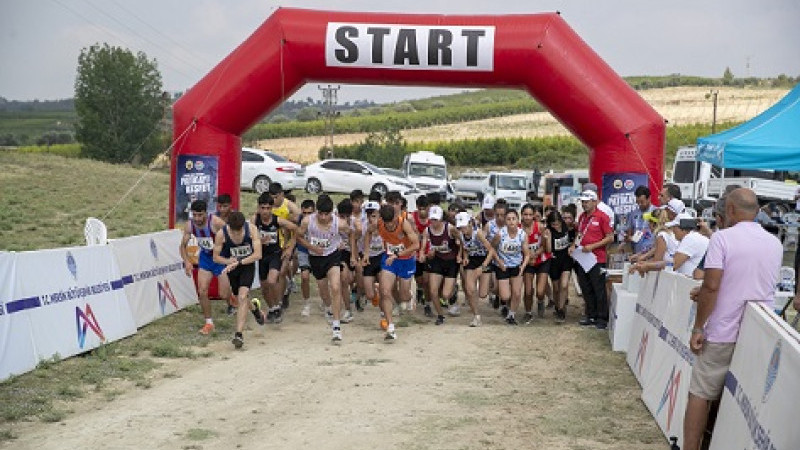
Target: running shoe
(233, 302)
(561, 316)
(601, 324)
(428, 311)
(444, 302)
(285, 300)
(271, 316)
(306, 310)
(495, 301)
(550, 304)
(528, 319)
(511, 320)
(504, 311)
(586, 321)
(278, 315)
(390, 335)
(476, 321)
(238, 340)
(257, 312)
(454, 310)
(347, 316)
(454, 297)
(540, 309)
(439, 320)
(359, 303)
(376, 299)
(207, 329)
(384, 324)
(337, 334)
(329, 316)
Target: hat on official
(488, 201)
(463, 219)
(588, 195)
(589, 187)
(435, 213)
(675, 206)
(676, 222)
(372, 206)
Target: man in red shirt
(594, 234)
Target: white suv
(260, 168)
(344, 175)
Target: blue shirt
(635, 222)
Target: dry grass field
(679, 105)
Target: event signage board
(196, 178)
(622, 307)
(618, 191)
(153, 273)
(762, 388)
(17, 351)
(79, 304)
(410, 47)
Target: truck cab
(513, 187)
(428, 172)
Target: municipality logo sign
(670, 395)
(85, 321)
(165, 295)
(153, 248)
(72, 266)
(772, 371)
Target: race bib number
(444, 248)
(561, 243)
(533, 247)
(269, 237)
(395, 248)
(206, 243)
(320, 242)
(241, 251)
(510, 247)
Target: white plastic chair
(95, 232)
(786, 279)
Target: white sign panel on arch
(410, 47)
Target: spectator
(594, 234)
(668, 192)
(691, 245)
(741, 265)
(662, 254)
(637, 230)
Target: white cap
(435, 213)
(371, 206)
(675, 206)
(676, 222)
(588, 195)
(488, 201)
(462, 219)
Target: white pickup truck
(470, 187)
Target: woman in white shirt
(664, 250)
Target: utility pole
(329, 96)
(714, 94)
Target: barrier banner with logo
(665, 387)
(621, 309)
(619, 188)
(72, 300)
(642, 332)
(195, 179)
(758, 409)
(17, 353)
(152, 270)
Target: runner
(399, 261)
(307, 208)
(204, 227)
(372, 253)
(285, 209)
(561, 237)
(359, 216)
(490, 230)
(443, 258)
(319, 233)
(512, 256)
(344, 210)
(420, 219)
(274, 253)
(538, 269)
(238, 246)
(477, 254)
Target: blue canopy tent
(769, 141)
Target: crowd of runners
(369, 250)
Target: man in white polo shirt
(692, 245)
(741, 265)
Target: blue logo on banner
(153, 248)
(772, 371)
(72, 266)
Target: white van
(428, 172)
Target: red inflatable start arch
(539, 53)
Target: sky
(40, 40)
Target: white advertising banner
(17, 354)
(759, 403)
(622, 308)
(152, 271)
(666, 384)
(643, 331)
(73, 299)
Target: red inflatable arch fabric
(539, 53)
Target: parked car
(344, 175)
(394, 172)
(260, 168)
(470, 186)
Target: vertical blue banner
(196, 179)
(618, 189)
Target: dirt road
(450, 387)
